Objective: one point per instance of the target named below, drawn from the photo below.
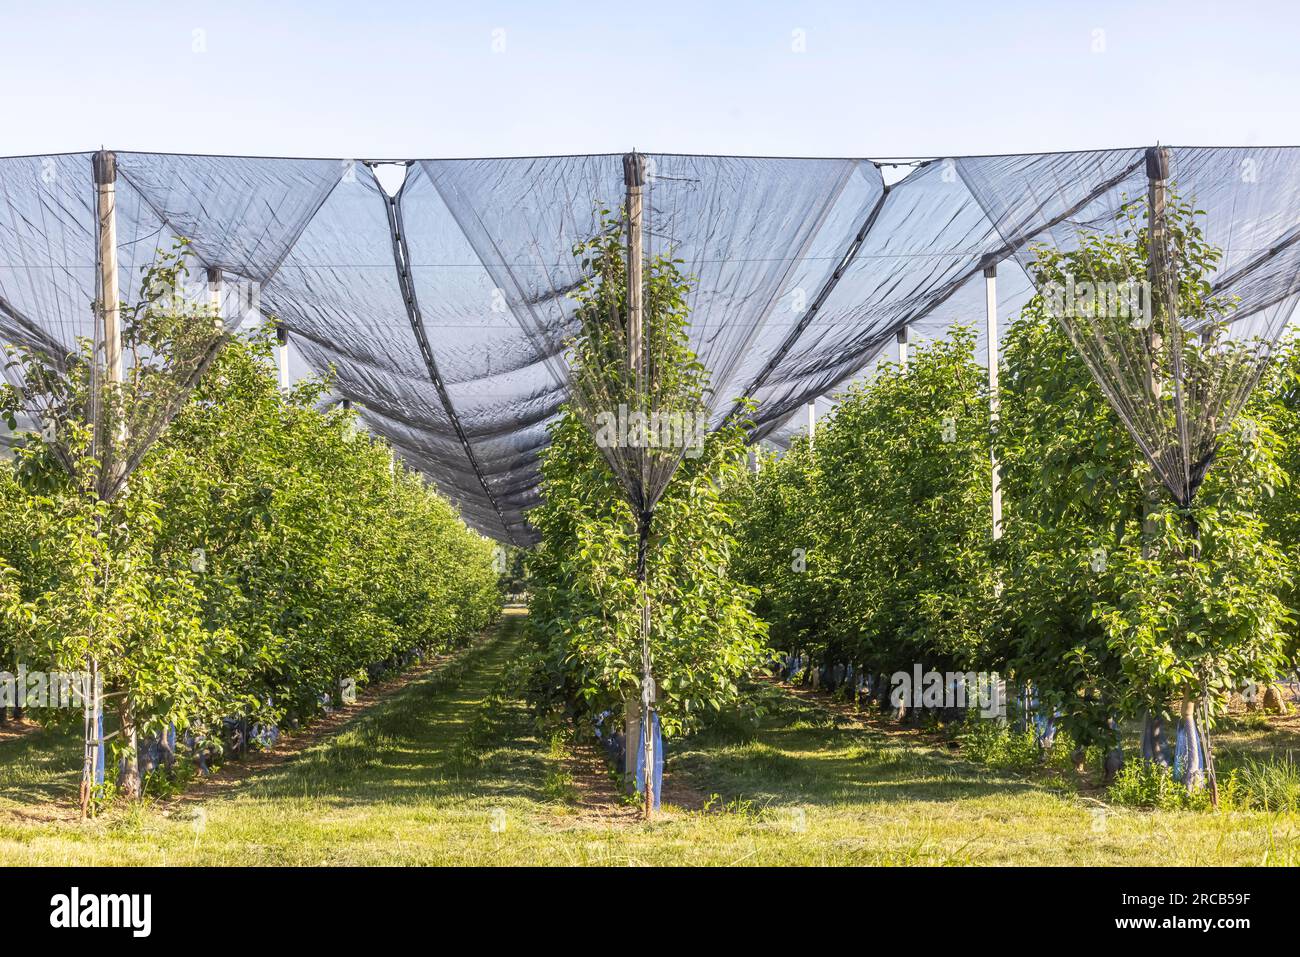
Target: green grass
(451, 770)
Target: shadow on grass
(458, 732)
(800, 753)
(42, 766)
(462, 733)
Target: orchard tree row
(263, 552)
(872, 546)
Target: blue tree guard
(659, 761)
(1045, 728)
(1189, 756)
(99, 744)
(1041, 719)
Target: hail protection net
(195, 239)
(448, 310)
(99, 359)
(734, 250)
(917, 268)
(1173, 271)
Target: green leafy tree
(1118, 601)
(585, 598)
(263, 551)
(892, 505)
(584, 610)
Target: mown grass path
(451, 770)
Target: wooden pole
(901, 338)
(1161, 286)
(634, 182)
(995, 404)
(105, 166)
(1157, 163)
(104, 170)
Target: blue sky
(399, 79)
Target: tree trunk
(1273, 702)
(1079, 756)
(131, 767)
(1113, 763)
(1155, 739)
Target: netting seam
(831, 282)
(401, 256)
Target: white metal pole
(812, 422)
(282, 355)
(995, 404)
(214, 295)
(901, 338)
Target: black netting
(446, 309)
(1172, 271)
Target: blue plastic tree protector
(99, 748)
(793, 664)
(1040, 718)
(1189, 756)
(265, 735)
(1045, 728)
(659, 762)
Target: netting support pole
(215, 279)
(995, 403)
(812, 423)
(1163, 287)
(634, 180)
(1157, 164)
(105, 165)
(1157, 170)
(900, 337)
(282, 356)
(634, 171)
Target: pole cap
(1157, 163)
(105, 164)
(633, 169)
